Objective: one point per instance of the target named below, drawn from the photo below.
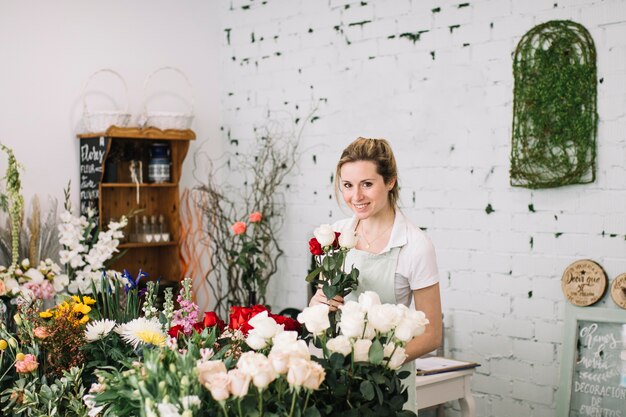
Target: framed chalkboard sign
(593, 366)
(92, 152)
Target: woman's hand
(320, 298)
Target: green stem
(261, 403)
(239, 407)
(293, 403)
(223, 405)
(306, 400)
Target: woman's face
(363, 189)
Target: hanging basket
(165, 119)
(97, 121)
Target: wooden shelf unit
(115, 199)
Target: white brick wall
(445, 103)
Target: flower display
(247, 255)
(84, 255)
(367, 348)
(329, 249)
(33, 282)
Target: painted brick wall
(435, 78)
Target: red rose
(239, 317)
(315, 247)
(176, 331)
(289, 323)
(211, 319)
(336, 242)
(198, 327)
(255, 217)
(238, 228)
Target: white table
(447, 386)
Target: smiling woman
(395, 258)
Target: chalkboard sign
(92, 152)
(593, 368)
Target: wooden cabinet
(112, 196)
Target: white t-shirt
(417, 262)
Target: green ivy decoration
(13, 201)
(555, 107)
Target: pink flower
(26, 365)
(41, 332)
(43, 290)
(3, 288)
(239, 228)
(255, 217)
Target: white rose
(325, 235)
(395, 354)
(283, 340)
(264, 374)
(239, 382)
(25, 263)
(298, 372)
(255, 341)
(352, 322)
(207, 369)
(361, 350)
(340, 344)
(34, 274)
(412, 324)
(384, 317)
(316, 376)
(347, 238)
(315, 318)
(264, 325)
(280, 361)
(168, 410)
(218, 386)
(369, 299)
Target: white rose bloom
(25, 263)
(315, 318)
(361, 350)
(255, 340)
(316, 376)
(34, 275)
(347, 238)
(264, 374)
(412, 324)
(352, 322)
(325, 235)
(298, 372)
(340, 344)
(280, 361)
(395, 354)
(283, 340)
(369, 299)
(264, 325)
(239, 382)
(384, 317)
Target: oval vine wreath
(554, 107)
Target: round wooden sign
(584, 282)
(618, 290)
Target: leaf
(367, 390)
(337, 360)
(404, 374)
(312, 412)
(313, 274)
(375, 353)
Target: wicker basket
(100, 120)
(165, 119)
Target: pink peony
(43, 290)
(255, 217)
(239, 228)
(26, 365)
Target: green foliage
(555, 107)
(31, 397)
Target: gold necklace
(369, 243)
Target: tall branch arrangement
(247, 182)
(13, 202)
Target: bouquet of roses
(363, 360)
(329, 249)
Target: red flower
(289, 323)
(239, 317)
(255, 217)
(176, 331)
(211, 319)
(315, 247)
(198, 327)
(336, 242)
(238, 228)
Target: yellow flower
(20, 356)
(84, 320)
(3, 344)
(81, 308)
(45, 314)
(151, 337)
(88, 300)
(76, 298)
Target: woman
(394, 258)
